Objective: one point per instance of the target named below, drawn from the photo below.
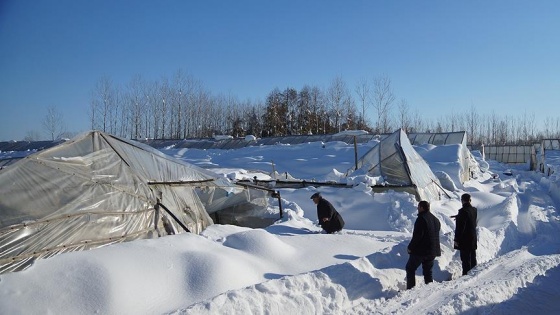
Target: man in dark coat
(330, 220)
(465, 233)
(424, 245)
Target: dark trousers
(333, 226)
(468, 259)
(414, 261)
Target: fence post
(276, 194)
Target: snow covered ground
(291, 268)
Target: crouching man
(330, 220)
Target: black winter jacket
(326, 210)
(465, 228)
(425, 237)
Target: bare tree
(502, 132)
(417, 124)
(453, 122)
(363, 91)
(548, 125)
(200, 112)
(317, 106)
(383, 98)
(528, 128)
(152, 101)
(136, 103)
(350, 113)
(473, 120)
(254, 122)
(54, 123)
(234, 125)
(275, 114)
(103, 102)
(115, 109)
(291, 95)
(303, 116)
(214, 114)
(165, 100)
(404, 116)
(93, 110)
(207, 116)
(338, 98)
(184, 109)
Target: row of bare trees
(173, 109)
(181, 107)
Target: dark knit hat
(315, 195)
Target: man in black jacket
(424, 245)
(465, 233)
(330, 220)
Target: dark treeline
(181, 107)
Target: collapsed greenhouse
(98, 189)
(401, 167)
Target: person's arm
(322, 211)
(328, 211)
(460, 225)
(417, 234)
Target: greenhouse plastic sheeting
(512, 154)
(399, 164)
(95, 190)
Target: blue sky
(441, 56)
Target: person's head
(316, 197)
(423, 206)
(466, 198)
